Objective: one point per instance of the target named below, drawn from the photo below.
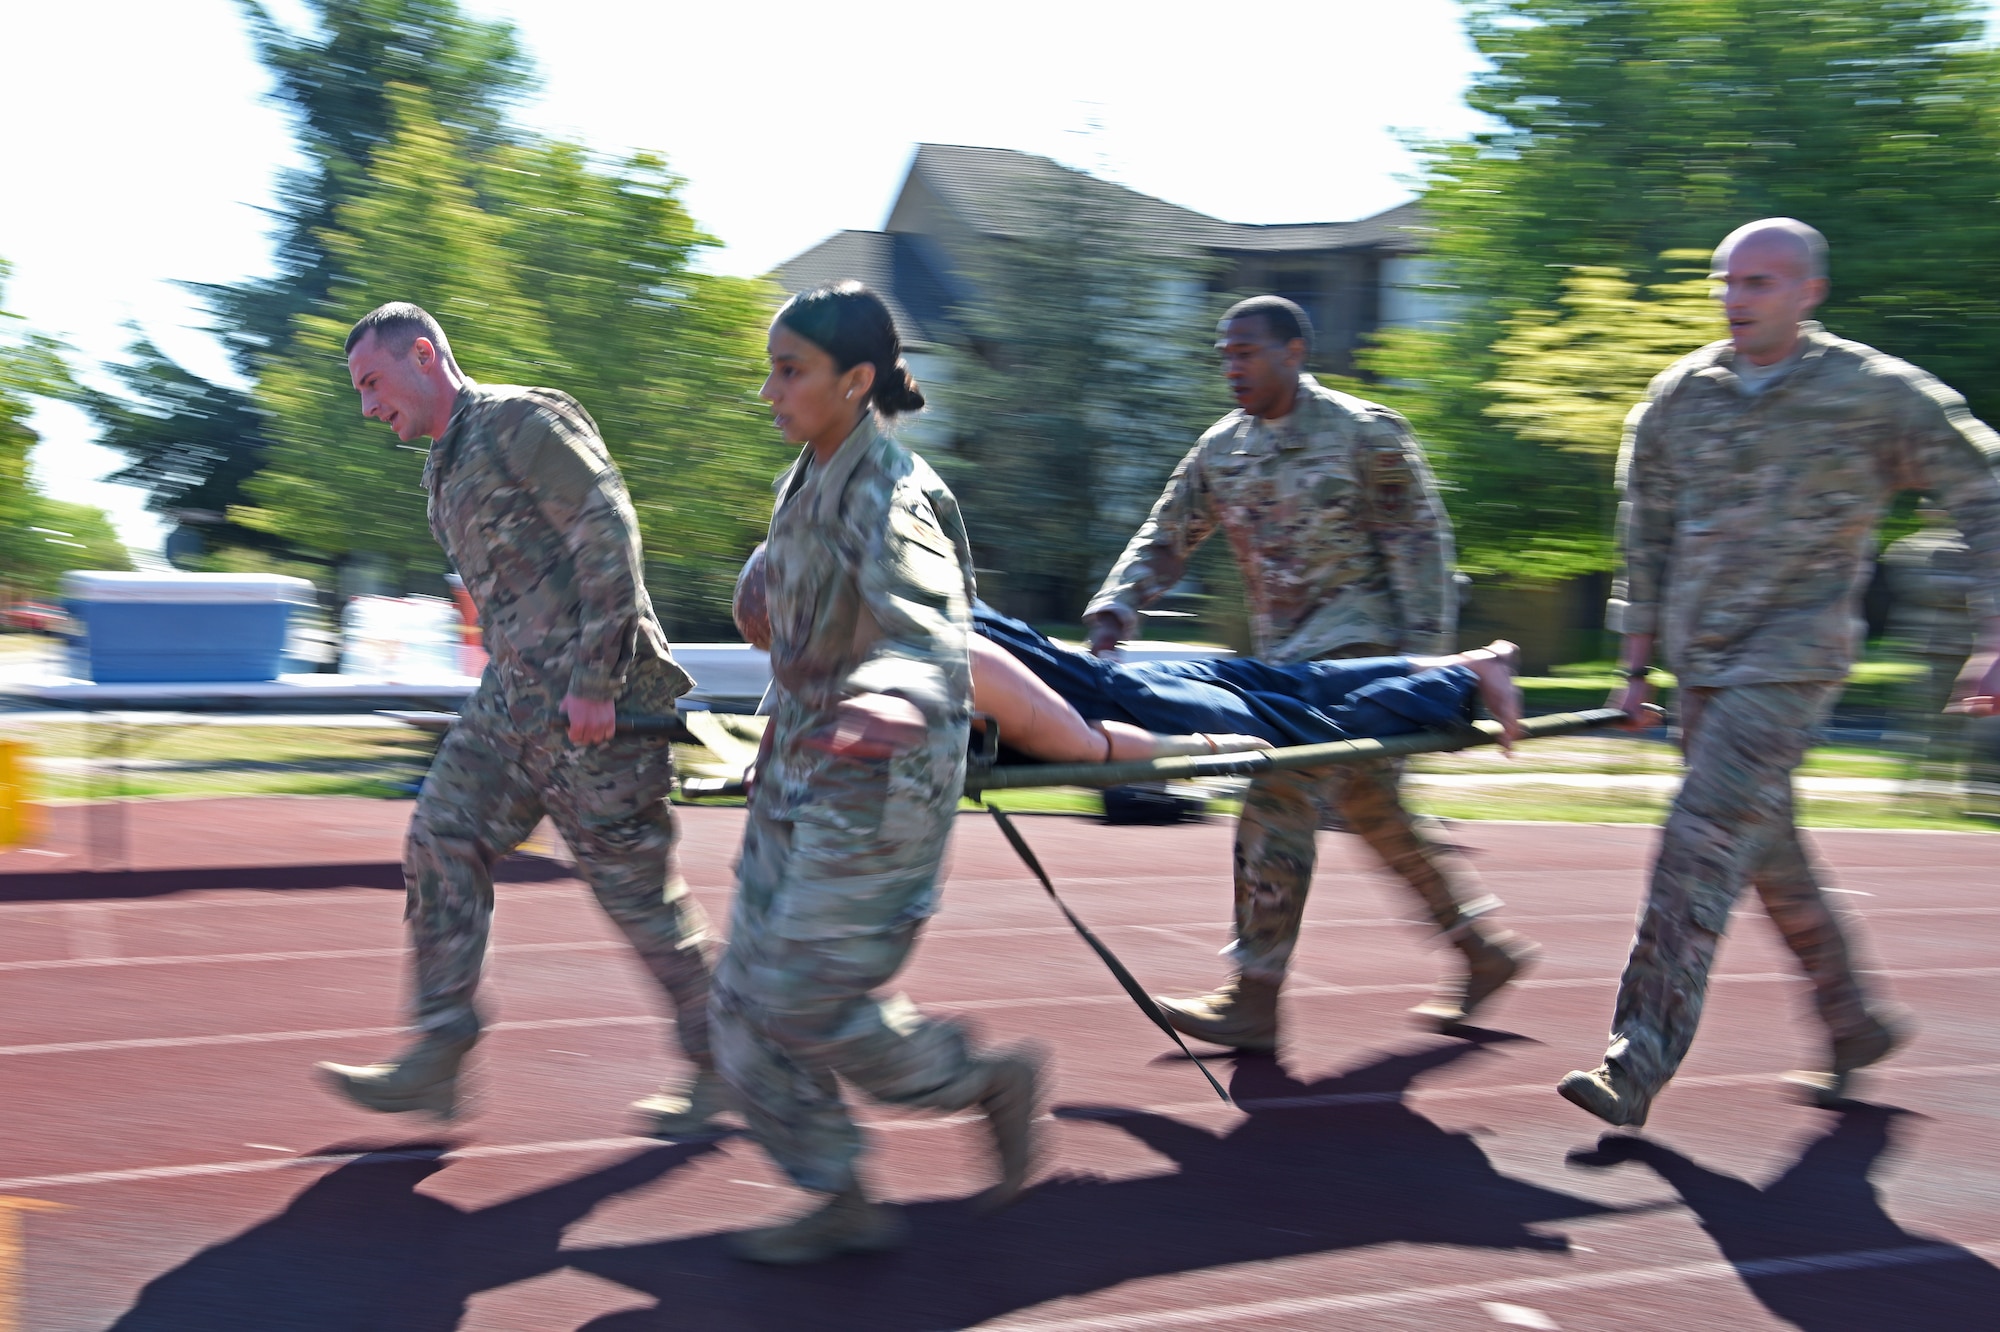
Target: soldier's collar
(1288, 431)
(446, 444)
(826, 485)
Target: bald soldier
(1754, 475)
(1345, 549)
(526, 502)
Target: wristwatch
(1638, 672)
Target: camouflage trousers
(793, 1015)
(489, 786)
(1277, 848)
(1732, 823)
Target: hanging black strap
(1125, 978)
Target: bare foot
(1495, 665)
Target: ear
(857, 382)
(1816, 291)
(424, 353)
(1295, 353)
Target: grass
(200, 759)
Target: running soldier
(1329, 506)
(869, 592)
(532, 512)
(1754, 474)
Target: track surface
(157, 1034)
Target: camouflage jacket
(1747, 525)
(1335, 521)
(532, 512)
(869, 579)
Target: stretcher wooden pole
(1021, 776)
(1251, 762)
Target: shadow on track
(1825, 1205)
(362, 1248)
(1336, 1164)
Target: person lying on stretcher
(1061, 705)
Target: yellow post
(19, 815)
(12, 1268)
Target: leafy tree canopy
(40, 538)
(1634, 130)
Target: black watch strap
(1638, 672)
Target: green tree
(40, 538)
(1633, 128)
(545, 268)
(195, 443)
(1085, 377)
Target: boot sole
(1581, 1093)
(1193, 1030)
(440, 1101)
(1446, 1017)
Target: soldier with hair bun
(869, 591)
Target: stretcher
(733, 740)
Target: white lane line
(328, 1034)
(968, 1005)
(1190, 1109)
(1233, 1315)
(91, 936)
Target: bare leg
(1036, 720)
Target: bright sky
(141, 149)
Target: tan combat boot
(1491, 960)
(1012, 1104)
(849, 1223)
(1887, 1030)
(687, 1114)
(425, 1078)
(1609, 1094)
(1242, 1014)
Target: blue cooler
(177, 628)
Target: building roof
(891, 265)
(993, 190)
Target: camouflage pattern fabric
(528, 505)
(1335, 521)
(526, 501)
(1732, 822)
(487, 789)
(1747, 526)
(870, 589)
(1277, 848)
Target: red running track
(158, 1035)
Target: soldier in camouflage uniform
(531, 510)
(1345, 550)
(1754, 474)
(869, 590)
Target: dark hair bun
(851, 324)
(896, 392)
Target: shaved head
(1772, 275)
(1786, 233)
